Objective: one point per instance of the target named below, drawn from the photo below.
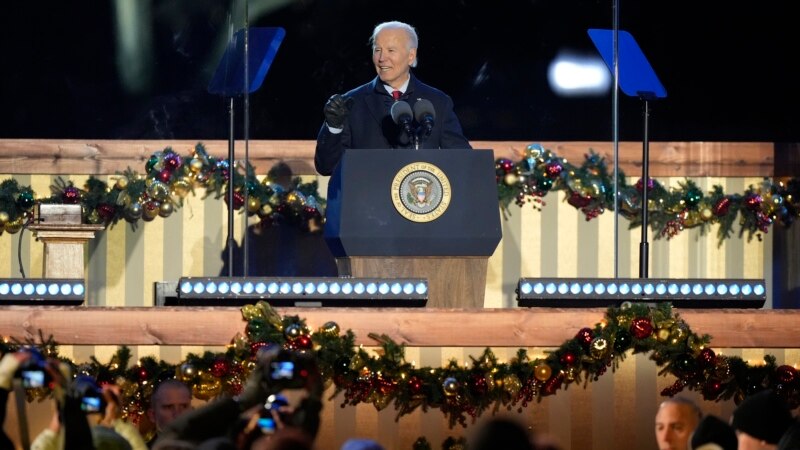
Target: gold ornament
(511, 179)
(207, 388)
(680, 332)
(150, 211)
(599, 348)
(512, 384)
(3, 218)
(571, 374)
(195, 165)
(253, 204)
(663, 334)
(266, 210)
(706, 214)
(295, 199)
(181, 187)
(122, 183)
(158, 190)
(542, 371)
(240, 342)
(250, 312)
(692, 219)
(329, 329)
(94, 217)
(13, 226)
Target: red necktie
(396, 95)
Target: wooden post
(59, 227)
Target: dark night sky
(727, 68)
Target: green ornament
(25, 200)
(150, 165)
(693, 197)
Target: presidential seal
(421, 192)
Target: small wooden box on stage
(416, 213)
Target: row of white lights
(643, 288)
(42, 289)
(189, 287)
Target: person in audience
(791, 437)
(9, 362)
(502, 433)
(235, 421)
(170, 399)
(712, 433)
(676, 419)
(761, 420)
(75, 426)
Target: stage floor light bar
(684, 293)
(301, 291)
(45, 291)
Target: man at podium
(395, 110)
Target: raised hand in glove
(336, 110)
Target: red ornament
(238, 199)
(753, 202)
(106, 211)
(553, 169)
(721, 206)
(568, 358)
(303, 342)
(477, 384)
(415, 385)
(220, 367)
(706, 358)
(579, 201)
(585, 336)
(641, 327)
(71, 195)
(552, 385)
(786, 374)
(142, 374)
(650, 184)
(164, 175)
(256, 346)
(712, 389)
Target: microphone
(425, 115)
(401, 114)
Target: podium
(416, 213)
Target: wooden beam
(423, 327)
(107, 157)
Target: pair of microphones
(423, 113)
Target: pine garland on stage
(169, 178)
(385, 378)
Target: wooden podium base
(453, 282)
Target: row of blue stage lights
(28, 289)
(302, 288)
(672, 289)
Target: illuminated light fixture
(300, 291)
(571, 74)
(684, 293)
(47, 291)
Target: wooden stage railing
(415, 327)
(107, 157)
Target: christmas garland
(169, 178)
(385, 377)
(590, 188)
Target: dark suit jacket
(370, 125)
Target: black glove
(336, 110)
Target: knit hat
(713, 430)
(763, 416)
